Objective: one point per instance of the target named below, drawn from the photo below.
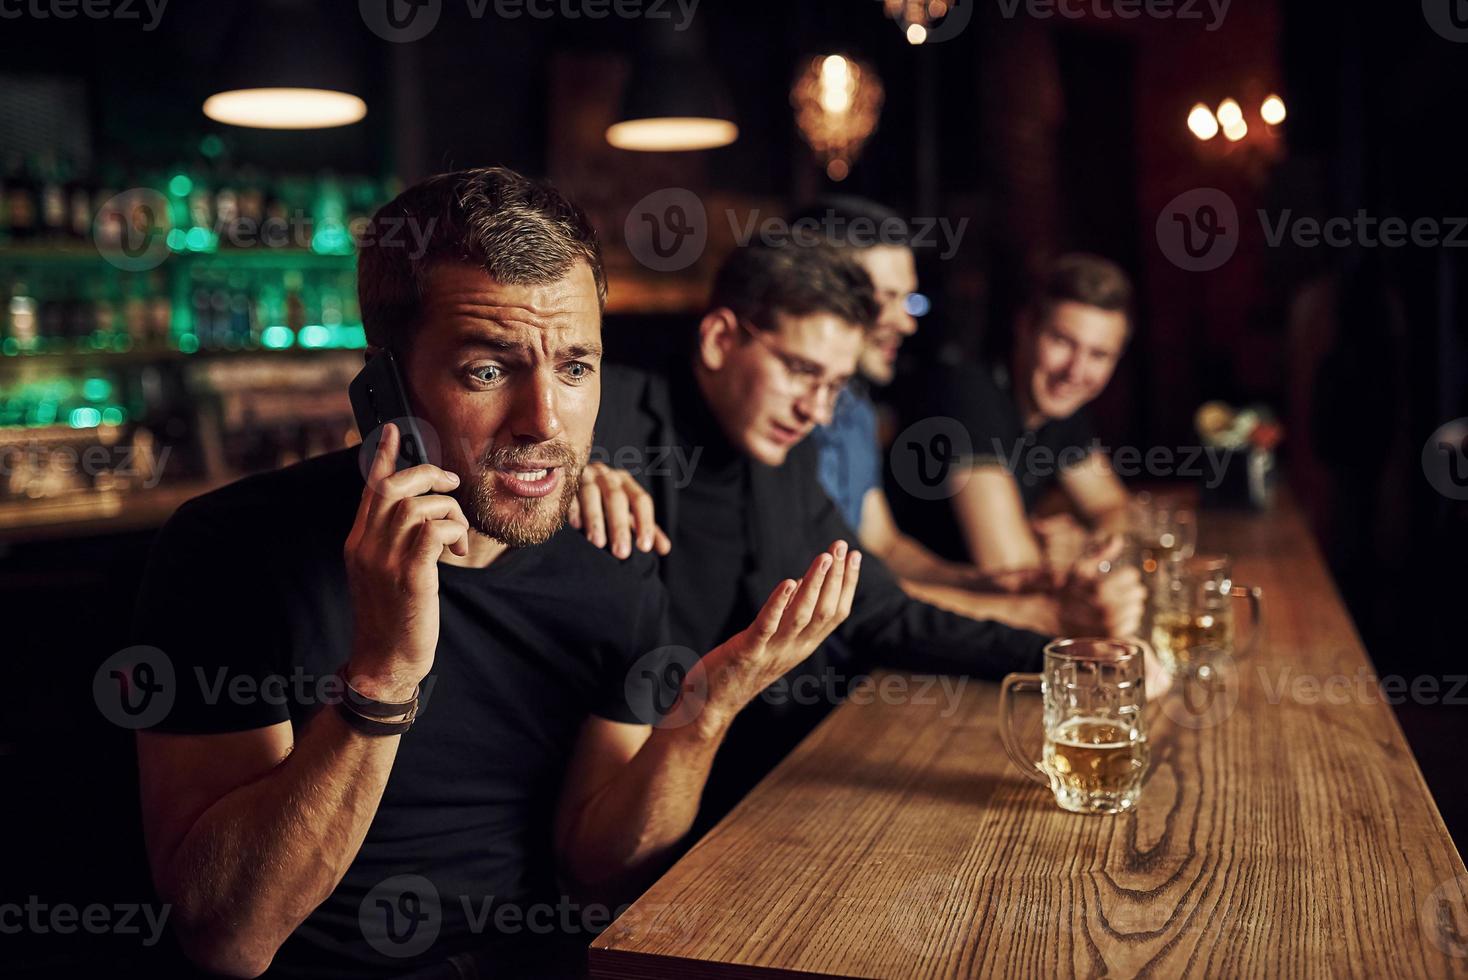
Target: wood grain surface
(1285, 830)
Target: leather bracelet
(371, 726)
(373, 708)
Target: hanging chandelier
(915, 17)
(837, 102)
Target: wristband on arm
(373, 717)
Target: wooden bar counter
(1285, 830)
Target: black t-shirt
(248, 583)
(981, 398)
(714, 540)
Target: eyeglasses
(803, 379)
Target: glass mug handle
(1012, 684)
(1255, 595)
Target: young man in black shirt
(303, 620)
(765, 366)
(1029, 429)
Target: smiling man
(471, 756)
(1029, 429)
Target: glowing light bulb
(1202, 122)
(1229, 114)
(1236, 131)
(1273, 110)
(836, 84)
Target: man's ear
(718, 334)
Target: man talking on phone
(411, 722)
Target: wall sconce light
(1205, 123)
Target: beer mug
(1193, 608)
(1161, 532)
(1095, 754)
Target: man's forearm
(910, 560)
(622, 832)
(1039, 613)
(257, 862)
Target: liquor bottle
(53, 200)
(202, 233)
(227, 211)
(135, 309)
(23, 319)
(53, 314)
(240, 311)
(160, 310)
(79, 199)
(22, 199)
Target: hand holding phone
(378, 396)
(404, 522)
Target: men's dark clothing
(982, 399)
(246, 596)
(790, 520)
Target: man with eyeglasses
(780, 340)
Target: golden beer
(1096, 764)
(1176, 631)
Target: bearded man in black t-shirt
(295, 625)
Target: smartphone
(378, 396)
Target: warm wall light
(1272, 111)
(1229, 114)
(285, 108)
(837, 102)
(1202, 123)
(672, 133)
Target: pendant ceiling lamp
(287, 70)
(674, 99)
